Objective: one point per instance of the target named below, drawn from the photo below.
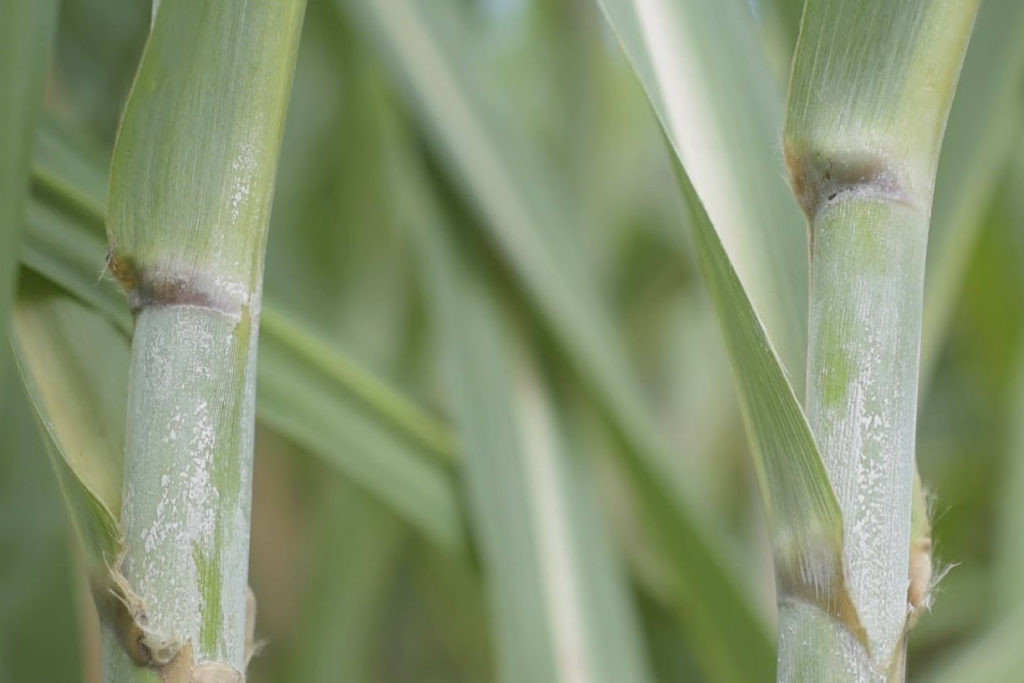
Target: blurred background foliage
(349, 586)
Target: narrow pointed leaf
(709, 83)
(669, 44)
(803, 514)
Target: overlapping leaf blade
(803, 512)
(749, 251)
(710, 86)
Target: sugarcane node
(122, 268)
(820, 179)
(831, 596)
(146, 287)
(121, 607)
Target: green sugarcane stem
(871, 90)
(867, 290)
(191, 400)
(191, 186)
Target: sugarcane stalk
(192, 180)
(870, 94)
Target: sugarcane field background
(531, 384)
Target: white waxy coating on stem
(869, 96)
(865, 321)
(190, 429)
(189, 203)
(840, 657)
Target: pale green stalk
(191, 185)
(869, 98)
(307, 391)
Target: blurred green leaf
(65, 239)
(38, 602)
(526, 221)
(324, 411)
(72, 170)
(517, 200)
(393, 407)
(559, 603)
(1009, 560)
(1009, 557)
(994, 657)
(983, 124)
(26, 35)
(70, 251)
(353, 569)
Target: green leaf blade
(721, 110)
(802, 511)
(74, 364)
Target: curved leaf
(74, 364)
